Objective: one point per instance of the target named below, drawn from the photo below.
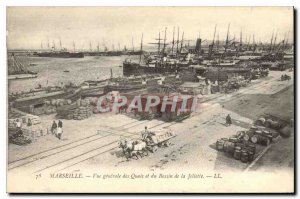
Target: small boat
(66, 71)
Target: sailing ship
(62, 53)
(16, 70)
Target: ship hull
(21, 76)
(61, 55)
(137, 70)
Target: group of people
(56, 129)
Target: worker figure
(29, 123)
(19, 131)
(60, 124)
(54, 127)
(145, 133)
(59, 132)
(228, 120)
(18, 124)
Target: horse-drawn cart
(158, 139)
(150, 141)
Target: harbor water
(59, 71)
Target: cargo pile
(79, 110)
(15, 115)
(238, 147)
(28, 135)
(283, 127)
(242, 146)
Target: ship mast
(173, 39)
(213, 42)
(273, 48)
(74, 46)
(158, 50)
(141, 48)
(48, 43)
(199, 50)
(271, 42)
(132, 44)
(177, 41)
(241, 40)
(227, 39)
(91, 47)
(60, 44)
(218, 42)
(181, 42)
(53, 44)
(164, 48)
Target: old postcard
(150, 99)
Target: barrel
(250, 156)
(78, 102)
(220, 145)
(272, 124)
(53, 102)
(240, 144)
(264, 140)
(237, 153)
(254, 139)
(252, 147)
(229, 147)
(267, 134)
(253, 128)
(285, 132)
(233, 139)
(244, 156)
(261, 121)
(69, 102)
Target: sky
(28, 27)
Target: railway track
(99, 150)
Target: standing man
(228, 120)
(19, 128)
(60, 124)
(145, 133)
(59, 132)
(54, 127)
(18, 124)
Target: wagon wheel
(254, 139)
(167, 143)
(145, 152)
(134, 156)
(154, 149)
(140, 153)
(150, 148)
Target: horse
(134, 148)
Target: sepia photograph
(150, 99)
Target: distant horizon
(29, 27)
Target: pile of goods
(238, 147)
(242, 146)
(77, 111)
(282, 126)
(105, 104)
(27, 134)
(15, 115)
(51, 106)
(285, 77)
